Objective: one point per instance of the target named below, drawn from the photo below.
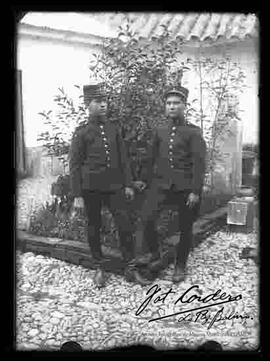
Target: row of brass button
(171, 146)
(106, 145)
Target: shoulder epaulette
(80, 126)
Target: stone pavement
(58, 302)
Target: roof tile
(189, 26)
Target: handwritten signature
(202, 315)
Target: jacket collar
(176, 122)
(96, 121)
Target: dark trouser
(156, 201)
(94, 200)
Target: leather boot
(133, 274)
(139, 278)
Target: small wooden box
(241, 212)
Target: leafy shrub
(58, 219)
(48, 223)
(136, 74)
(43, 222)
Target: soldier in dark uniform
(99, 172)
(178, 174)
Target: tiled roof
(188, 26)
(191, 26)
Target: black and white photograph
(137, 181)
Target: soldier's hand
(78, 202)
(129, 192)
(192, 200)
(140, 185)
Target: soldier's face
(98, 106)
(175, 106)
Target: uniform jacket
(98, 159)
(179, 157)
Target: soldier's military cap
(93, 91)
(177, 90)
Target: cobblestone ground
(58, 302)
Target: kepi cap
(177, 90)
(93, 91)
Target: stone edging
(78, 253)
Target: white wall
(46, 66)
